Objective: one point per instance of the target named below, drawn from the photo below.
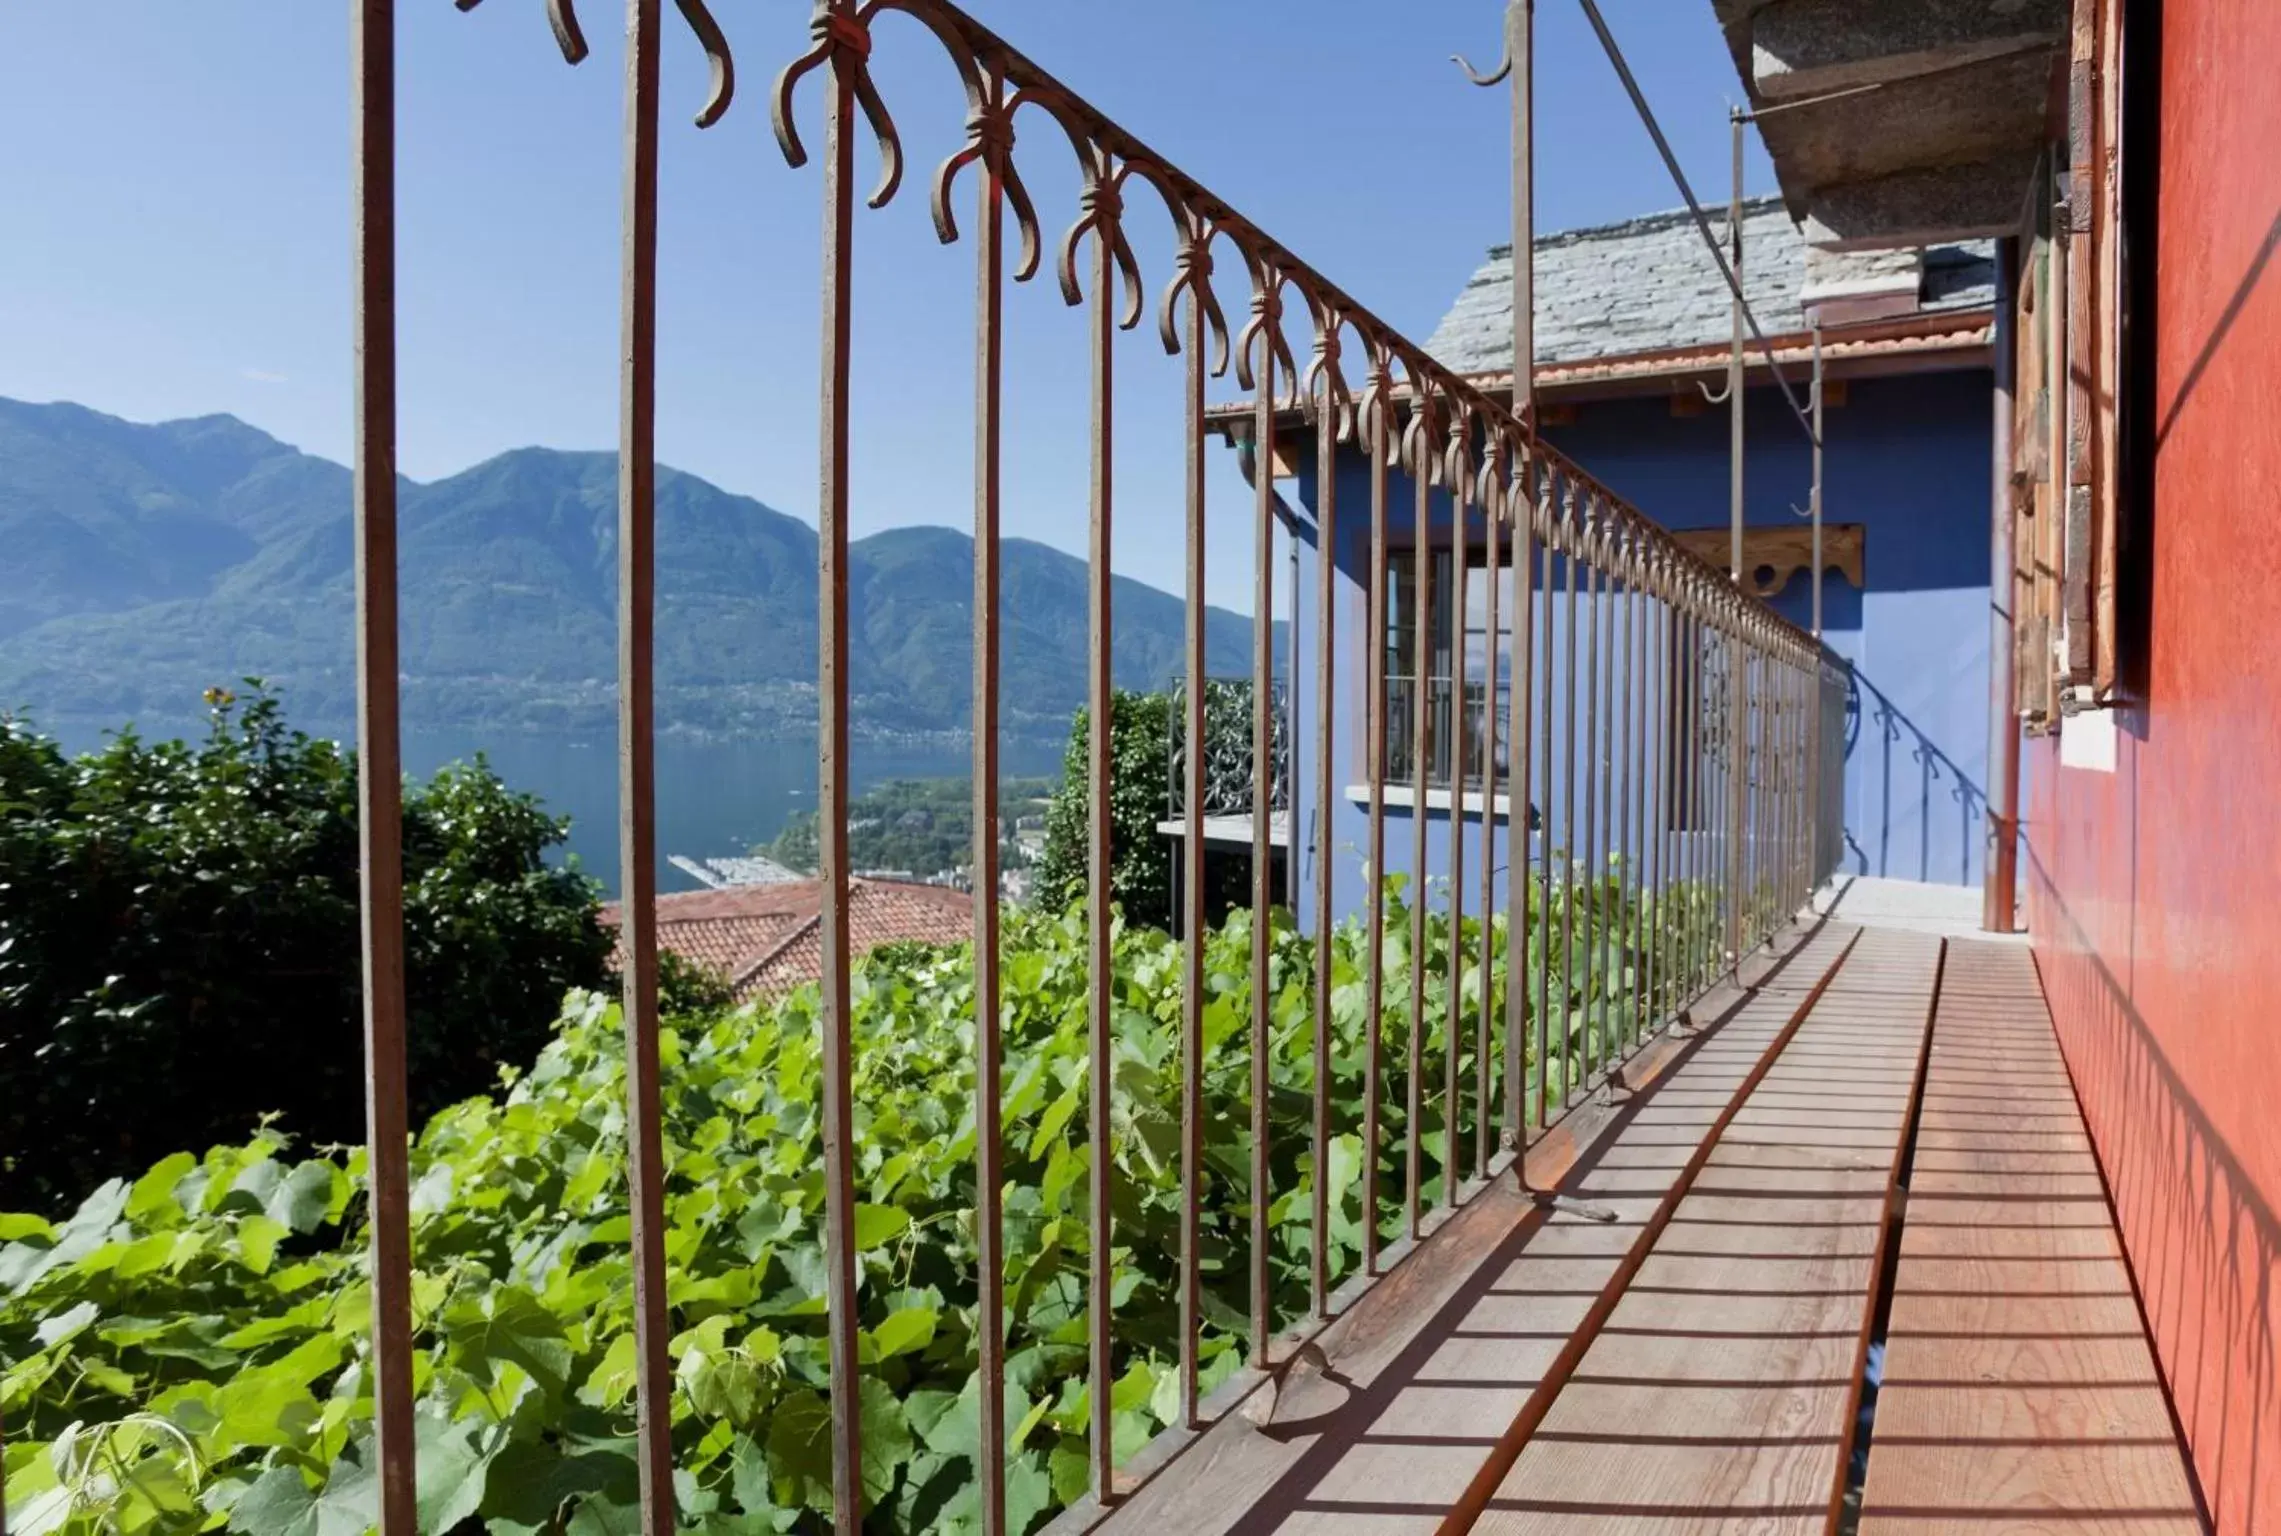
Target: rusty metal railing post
(848, 46)
(1102, 196)
(1700, 868)
(1266, 318)
(1485, 1117)
(1330, 427)
(1377, 408)
(637, 776)
(1588, 863)
(380, 786)
(1573, 546)
(990, 134)
(1602, 826)
(1655, 911)
(1418, 443)
(1453, 1011)
(1547, 513)
(1630, 896)
(1520, 767)
(1195, 260)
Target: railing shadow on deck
(1325, 1401)
(2202, 1243)
(1868, 705)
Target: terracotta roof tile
(767, 939)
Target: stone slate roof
(1647, 285)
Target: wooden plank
(1719, 1395)
(2019, 1388)
(1429, 1366)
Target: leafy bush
(686, 986)
(180, 950)
(204, 1328)
(1140, 860)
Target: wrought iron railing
(1230, 770)
(1607, 591)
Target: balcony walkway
(1874, 1143)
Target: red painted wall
(2155, 889)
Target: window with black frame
(1449, 732)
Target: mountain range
(148, 562)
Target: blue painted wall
(1907, 458)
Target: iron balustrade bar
(1377, 408)
(1328, 432)
(1453, 1011)
(1650, 635)
(1417, 444)
(1603, 824)
(1549, 533)
(1192, 855)
(379, 758)
(1519, 818)
(637, 770)
(1571, 549)
(1266, 311)
(1485, 1117)
(846, 80)
(993, 139)
(1105, 213)
(1628, 906)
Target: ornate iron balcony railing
(1605, 772)
(1230, 775)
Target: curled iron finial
(843, 37)
(1573, 517)
(1417, 450)
(1334, 411)
(1489, 483)
(1264, 330)
(563, 19)
(1504, 473)
(1457, 453)
(990, 141)
(1373, 412)
(1101, 210)
(722, 86)
(1192, 271)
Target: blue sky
(177, 222)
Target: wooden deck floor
(1881, 1101)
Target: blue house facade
(1632, 336)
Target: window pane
(1488, 667)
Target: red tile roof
(767, 939)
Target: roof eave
(1944, 341)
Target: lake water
(714, 796)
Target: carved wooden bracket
(1772, 556)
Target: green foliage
(1140, 858)
(188, 1351)
(686, 987)
(180, 946)
(920, 826)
